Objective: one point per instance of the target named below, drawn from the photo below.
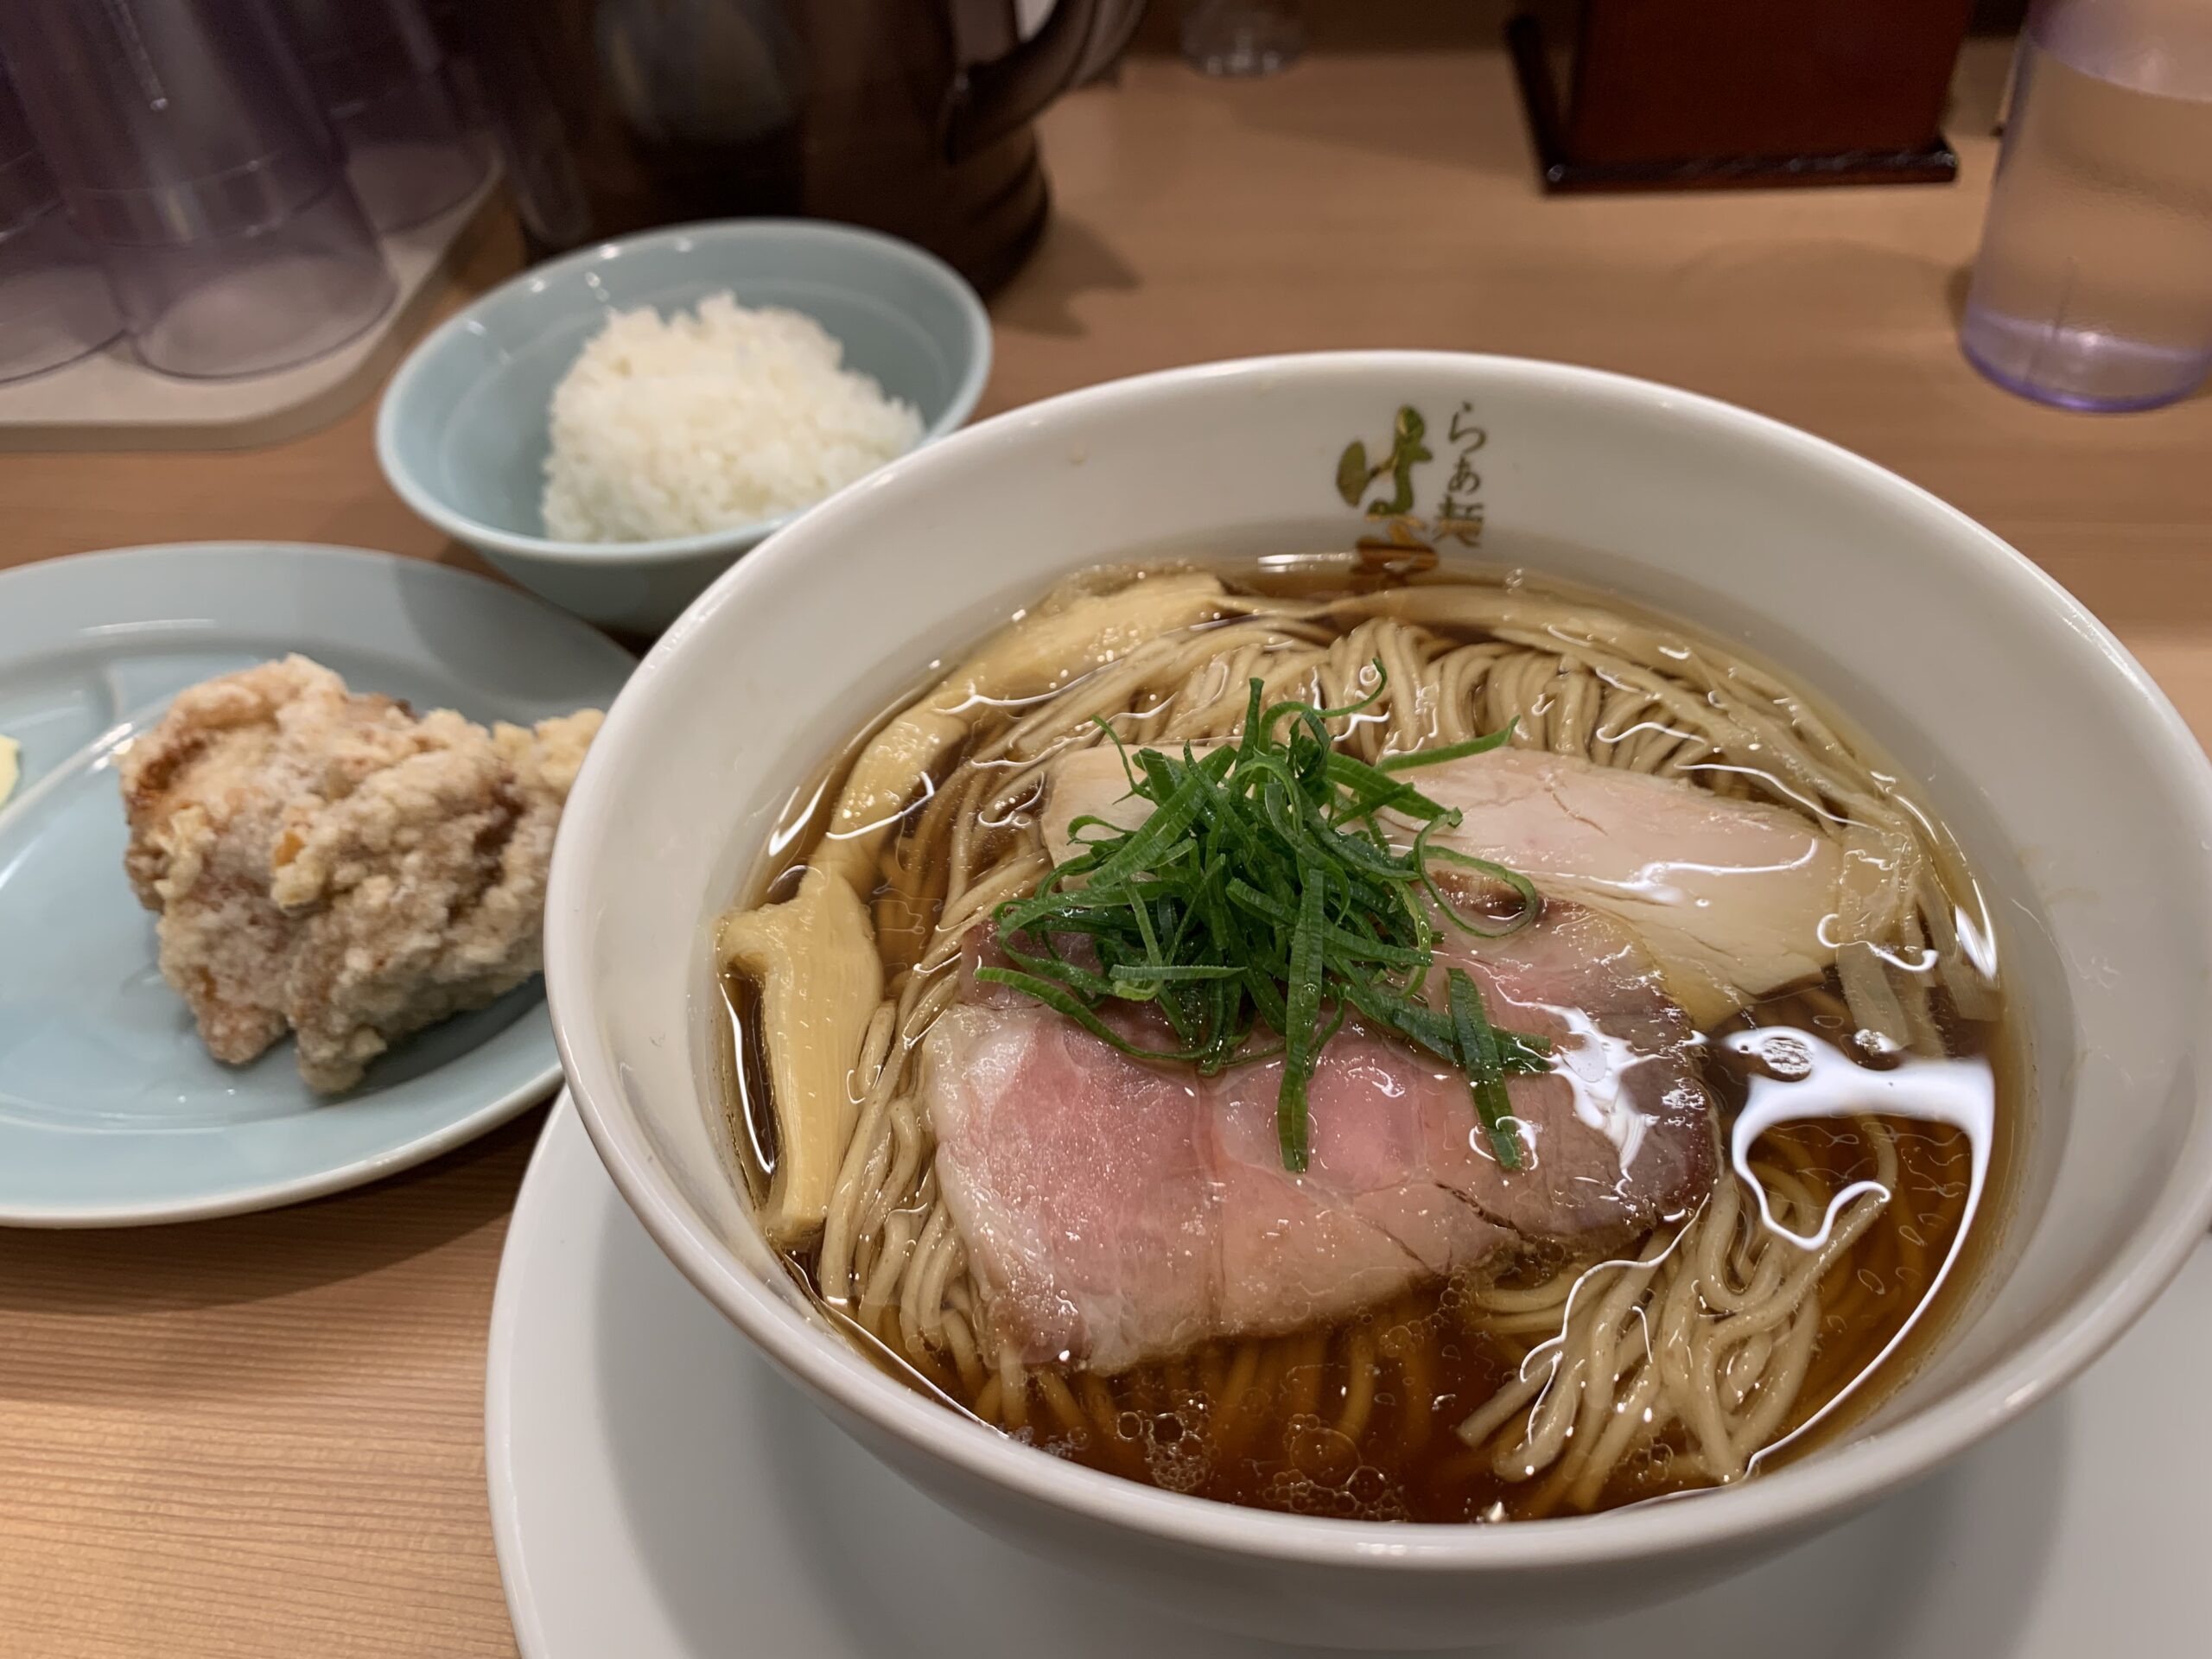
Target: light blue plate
(111, 1111)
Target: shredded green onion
(1263, 894)
(1484, 1064)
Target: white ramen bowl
(2082, 802)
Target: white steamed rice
(707, 420)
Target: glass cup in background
(196, 159)
(1241, 37)
(411, 151)
(2093, 286)
(54, 303)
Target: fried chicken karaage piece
(328, 864)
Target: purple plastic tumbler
(54, 306)
(194, 156)
(411, 150)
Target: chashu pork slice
(1115, 1209)
(1729, 896)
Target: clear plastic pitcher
(2093, 286)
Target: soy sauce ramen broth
(1364, 1418)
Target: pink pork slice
(1116, 1210)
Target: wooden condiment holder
(1714, 94)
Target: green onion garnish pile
(1261, 893)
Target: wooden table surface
(263, 1436)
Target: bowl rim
(1797, 1497)
(875, 245)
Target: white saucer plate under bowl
(110, 1110)
(658, 1491)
